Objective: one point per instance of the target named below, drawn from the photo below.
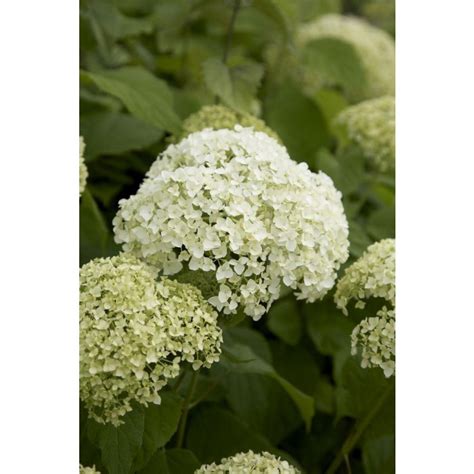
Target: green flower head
(217, 117)
(87, 470)
(371, 126)
(135, 332)
(371, 276)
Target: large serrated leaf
(161, 422)
(144, 95)
(119, 445)
(241, 358)
(109, 133)
(236, 86)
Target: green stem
(230, 30)
(358, 430)
(184, 414)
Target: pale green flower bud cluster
(87, 470)
(83, 173)
(375, 337)
(217, 117)
(233, 203)
(371, 276)
(135, 332)
(371, 126)
(375, 48)
(249, 463)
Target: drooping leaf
(172, 461)
(119, 445)
(285, 322)
(95, 237)
(335, 62)
(215, 433)
(282, 12)
(241, 358)
(161, 422)
(109, 133)
(116, 24)
(144, 95)
(381, 223)
(297, 120)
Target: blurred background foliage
(145, 66)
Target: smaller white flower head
(83, 173)
(371, 276)
(249, 463)
(135, 332)
(87, 470)
(233, 204)
(375, 339)
(371, 126)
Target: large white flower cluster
(233, 203)
(375, 337)
(249, 463)
(135, 332)
(83, 173)
(371, 126)
(372, 276)
(375, 48)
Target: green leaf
(236, 87)
(172, 461)
(241, 358)
(282, 12)
(145, 96)
(378, 455)
(358, 238)
(95, 238)
(161, 422)
(297, 120)
(335, 62)
(262, 404)
(109, 133)
(367, 396)
(330, 102)
(285, 322)
(215, 433)
(328, 328)
(119, 445)
(381, 223)
(346, 170)
(116, 24)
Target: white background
(39, 236)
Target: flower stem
(230, 30)
(358, 430)
(184, 414)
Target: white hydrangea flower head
(135, 332)
(87, 470)
(218, 117)
(371, 126)
(249, 463)
(232, 203)
(375, 337)
(375, 48)
(83, 173)
(371, 276)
